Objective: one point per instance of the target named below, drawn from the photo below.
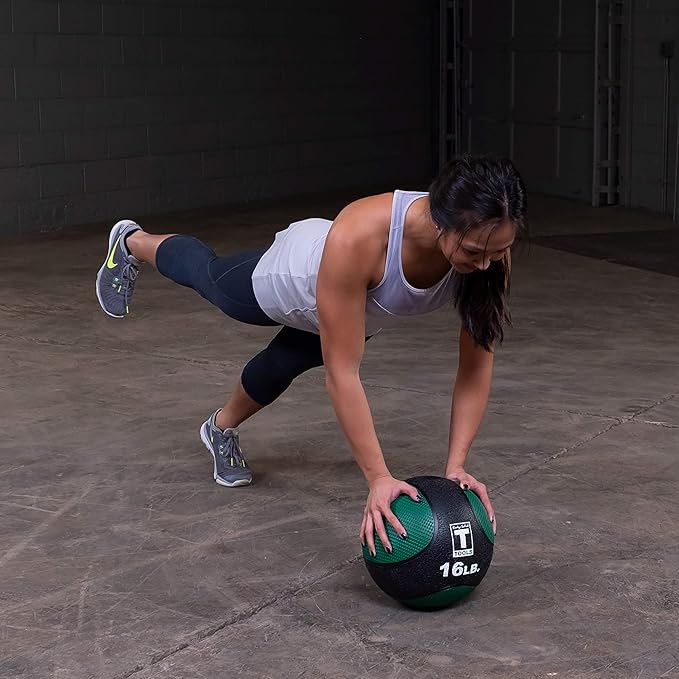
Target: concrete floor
(120, 556)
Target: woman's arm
(341, 292)
(350, 256)
(470, 399)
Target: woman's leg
(264, 378)
(226, 282)
(183, 259)
(270, 373)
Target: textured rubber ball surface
(481, 514)
(418, 520)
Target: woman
(332, 285)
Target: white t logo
(462, 536)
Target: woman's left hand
(468, 482)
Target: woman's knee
(184, 260)
(272, 371)
(263, 380)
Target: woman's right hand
(383, 491)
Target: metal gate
(538, 81)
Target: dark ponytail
(472, 192)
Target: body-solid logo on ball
(463, 540)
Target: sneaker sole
(111, 240)
(218, 479)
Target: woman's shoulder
(376, 204)
(367, 216)
(361, 229)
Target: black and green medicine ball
(448, 549)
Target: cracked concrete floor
(121, 558)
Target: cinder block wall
(121, 108)
(653, 21)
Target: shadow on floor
(656, 251)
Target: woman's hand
(383, 491)
(468, 482)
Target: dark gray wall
(120, 108)
(653, 21)
(528, 79)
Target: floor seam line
(564, 451)
(559, 454)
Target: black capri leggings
(227, 283)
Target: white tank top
(284, 280)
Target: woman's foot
(230, 468)
(117, 276)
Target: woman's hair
(480, 191)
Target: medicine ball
(448, 549)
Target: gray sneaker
(116, 278)
(230, 468)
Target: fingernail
(417, 498)
(373, 552)
(389, 549)
(404, 535)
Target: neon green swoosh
(109, 262)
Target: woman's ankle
(133, 242)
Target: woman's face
(480, 246)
